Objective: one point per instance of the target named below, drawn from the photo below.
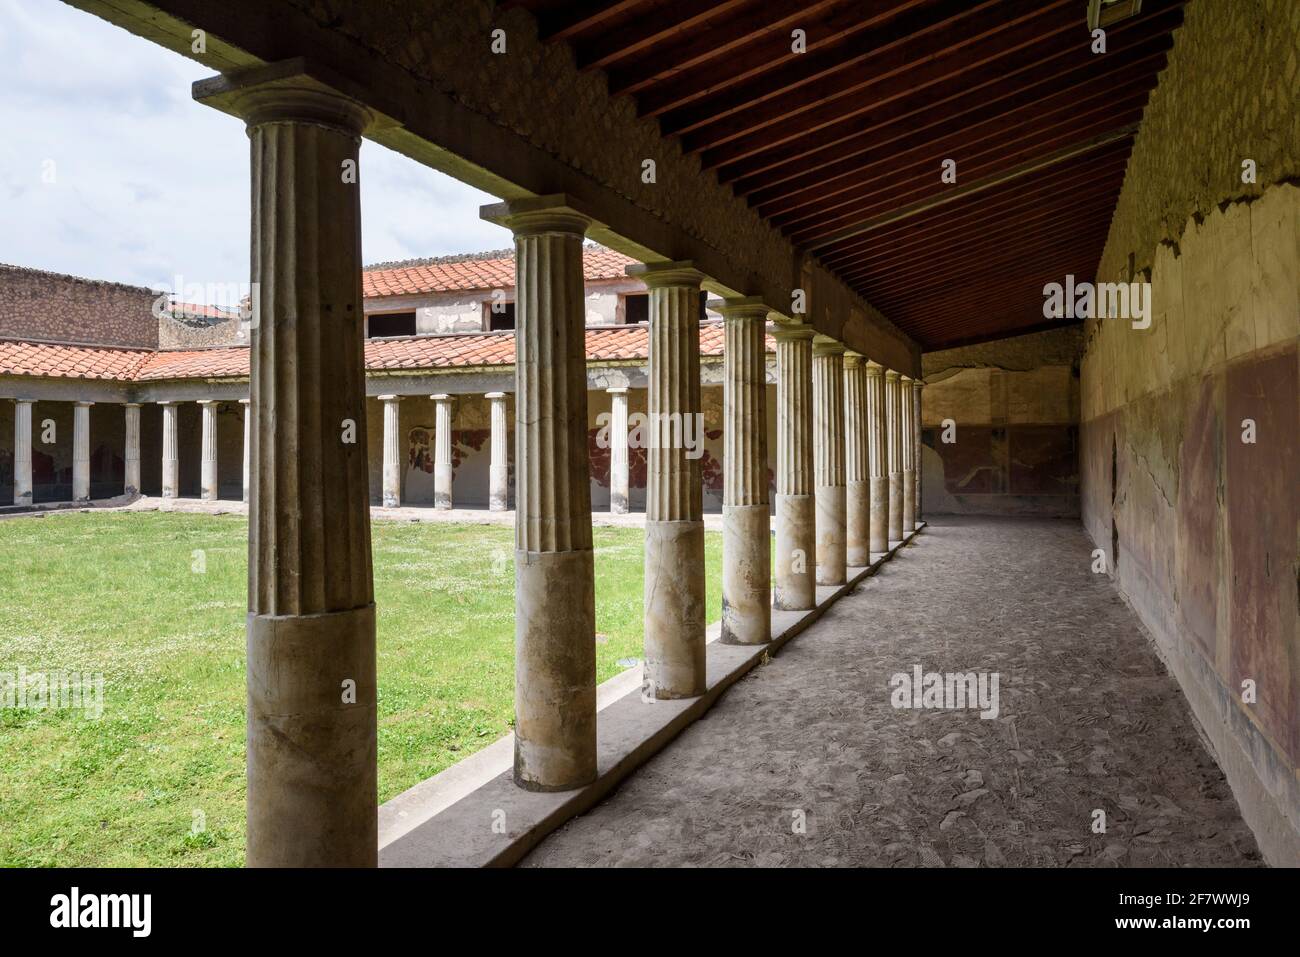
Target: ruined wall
(57, 308)
(1189, 427)
(200, 333)
(1000, 427)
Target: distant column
(81, 451)
(857, 465)
(878, 450)
(392, 488)
(796, 538)
(208, 469)
(131, 452)
(909, 453)
(248, 443)
(746, 513)
(170, 466)
(917, 386)
(828, 458)
(618, 464)
(23, 452)
(894, 431)
(499, 470)
(674, 529)
(442, 472)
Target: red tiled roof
(70, 362)
(398, 279)
(604, 344)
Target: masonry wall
(47, 306)
(1000, 427)
(1190, 466)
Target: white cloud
(147, 184)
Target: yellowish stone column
(828, 458)
(796, 533)
(917, 386)
(208, 451)
(878, 450)
(894, 431)
(905, 406)
(170, 459)
(857, 464)
(498, 471)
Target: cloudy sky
(110, 170)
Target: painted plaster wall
(1200, 527)
(1014, 408)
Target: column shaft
(555, 604)
(905, 406)
(131, 452)
(894, 431)
(248, 443)
(312, 787)
(23, 452)
(170, 463)
(391, 493)
(917, 386)
(498, 471)
(878, 449)
(208, 471)
(828, 459)
(796, 538)
(442, 470)
(746, 513)
(618, 461)
(81, 451)
(674, 533)
(857, 465)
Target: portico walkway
(1089, 719)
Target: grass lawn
(158, 779)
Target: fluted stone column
(391, 492)
(877, 447)
(23, 451)
(857, 464)
(905, 406)
(894, 433)
(81, 451)
(208, 469)
(618, 462)
(796, 538)
(442, 471)
(917, 386)
(312, 793)
(248, 444)
(498, 471)
(674, 528)
(555, 604)
(828, 459)
(746, 513)
(131, 450)
(170, 463)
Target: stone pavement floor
(805, 762)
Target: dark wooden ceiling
(840, 147)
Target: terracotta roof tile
(425, 276)
(604, 344)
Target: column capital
(918, 384)
(494, 395)
(441, 397)
(827, 346)
(167, 402)
(665, 275)
(83, 403)
(207, 401)
(555, 213)
(745, 307)
(852, 358)
(23, 401)
(389, 398)
(131, 405)
(792, 330)
(245, 401)
(891, 374)
(290, 91)
(617, 390)
(874, 368)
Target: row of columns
(131, 451)
(311, 760)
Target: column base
(312, 791)
(618, 502)
(857, 524)
(796, 547)
(674, 608)
(498, 489)
(895, 506)
(879, 513)
(831, 503)
(555, 670)
(442, 486)
(746, 575)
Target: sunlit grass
(116, 594)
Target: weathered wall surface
(199, 333)
(1014, 410)
(1198, 516)
(56, 308)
